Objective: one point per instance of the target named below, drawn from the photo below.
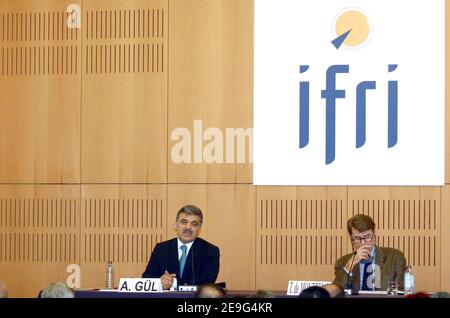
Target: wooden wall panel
(40, 85)
(300, 234)
(408, 219)
(121, 223)
(124, 107)
(39, 235)
(447, 95)
(210, 79)
(99, 105)
(229, 223)
(445, 238)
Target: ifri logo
(331, 94)
(352, 30)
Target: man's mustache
(187, 231)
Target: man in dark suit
(188, 259)
(369, 267)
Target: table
(97, 293)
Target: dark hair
(204, 291)
(191, 210)
(263, 293)
(314, 292)
(360, 222)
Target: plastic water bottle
(109, 276)
(409, 280)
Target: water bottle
(409, 280)
(109, 276)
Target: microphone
(348, 283)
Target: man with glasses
(369, 267)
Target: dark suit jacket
(392, 265)
(203, 256)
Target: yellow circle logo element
(353, 27)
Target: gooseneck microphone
(348, 284)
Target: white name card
(140, 285)
(295, 287)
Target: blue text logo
(331, 94)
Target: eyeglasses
(366, 239)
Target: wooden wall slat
(210, 78)
(315, 232)
(114, 228)
(37, 236)
(40, 100)
(124, 103)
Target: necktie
(182, 259)
(366, 275)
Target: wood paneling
(39, 235)
(300, 233)
(121, 223)
(22, 25)
(407, 219)
(126, 23)
(447, 95)
(40, 86)
(445, 239)
(210, 79)
(99, 105)
(126, 58)
(229, 223)
(124, 107)
(32, 60)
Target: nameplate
(295, 287)
(188, 288)
(140, 285)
